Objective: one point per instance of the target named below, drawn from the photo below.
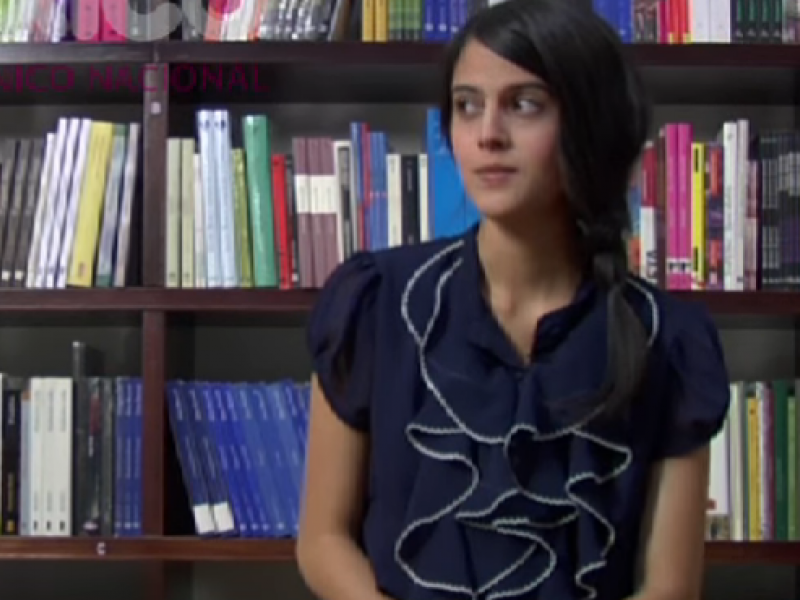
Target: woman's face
(505, 132)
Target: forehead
(480, 68)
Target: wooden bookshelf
(311, 72)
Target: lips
(495, 174)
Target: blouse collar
(481, 326)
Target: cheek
(463, 144)
(541, 144)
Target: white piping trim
(511, 526)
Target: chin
(499, 207)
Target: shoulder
(369, 277)
(341, 334)
(695, 391)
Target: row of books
(716, 214)
(66, 205)
(719, 214)
(666, 21)
(702, 21)
(240, 214)
(71, 451)
(241, 448)
(71, 457)
(755, 465)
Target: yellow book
(90, 208)
(698, 215)
(381, 20)
(368, 21)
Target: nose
(493, 133)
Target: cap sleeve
(341, 337)
(698, 396)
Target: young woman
(508, 413)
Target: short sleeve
(341, 337)
(698, 386)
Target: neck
(530, 262)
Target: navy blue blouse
(480, 486)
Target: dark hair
(604, 126)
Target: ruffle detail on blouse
(484, 520)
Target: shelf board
(351, 53)
(96, 300)
(72, 53)
(782, 56)
(190, 549)
(158, 549)
(777, 553)
(746, 303)
(274, 301)
(37, 301)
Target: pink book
(114, 20)
(87, 27)
(685, 203)
(673, 212)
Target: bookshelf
(314, 73)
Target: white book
(187, 213)
(209, 172)
(728, 139)
(394, 199)
(172, 260)
(38, 410)
(51, 204)
(742, 168)
(75, 196)
(199, 225)
(49, 458)
(61, 203)
(424, 214)
(225, 204)
(61, 458)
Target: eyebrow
(516, 87)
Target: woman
(509, 414)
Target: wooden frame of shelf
(361, 54)
(189, 549)
(354, 62)
(751, 303)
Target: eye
(526, 105)
(466, 106)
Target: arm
(674, 529)
(328, 557)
